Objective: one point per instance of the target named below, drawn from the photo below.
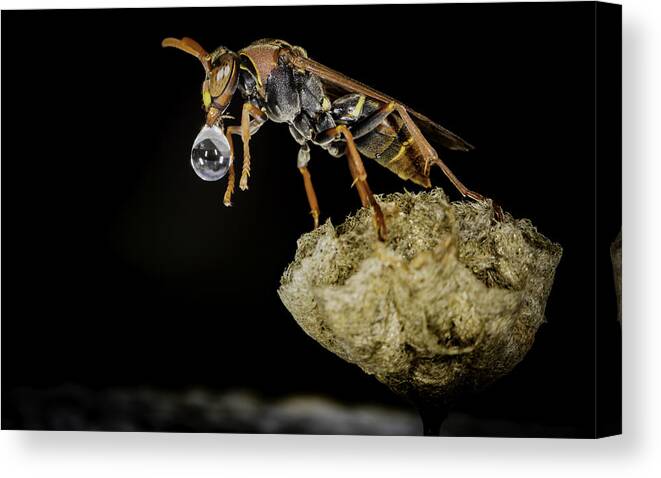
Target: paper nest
(449, 303)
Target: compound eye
(210, 156)
(223, 76)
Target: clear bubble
(210, 156)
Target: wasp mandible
(278, 82)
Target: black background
(121, 268)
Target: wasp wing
(341, 83)
(435, 131)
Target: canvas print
(373, 220)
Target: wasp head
(221, 79)
(210, 155)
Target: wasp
(279, 82)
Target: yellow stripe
(359, 107)
(206, 95)
(256, 72)
(399, 153)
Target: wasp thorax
(210, 156)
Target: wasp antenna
(191, 47)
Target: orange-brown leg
(498, 210)
(312, 196)
(362, 192)
(431, 157)
(227, 200)
(359, 175)
(253, 127)
(249, 111)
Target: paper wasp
(278, 82)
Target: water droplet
(210, 156)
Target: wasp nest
(450, 302)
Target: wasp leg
(249, 111)
(359, 175)
(431, 157)
(227, 200)
(498, 210)
(303, 160)
(363, 192)
(254, 126)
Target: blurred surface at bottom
(198, 410)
